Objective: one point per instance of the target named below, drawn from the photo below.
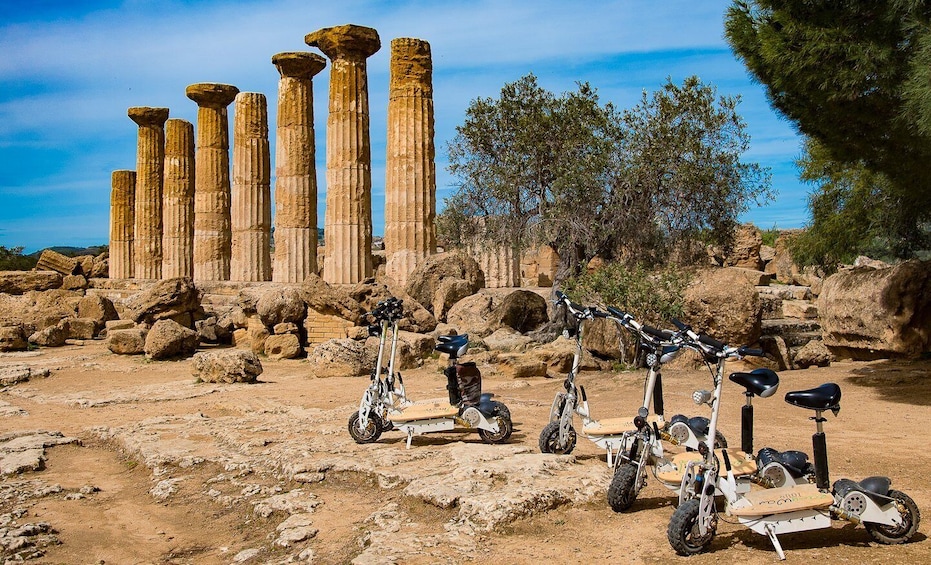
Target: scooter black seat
(762, 382)
(452, 344)
(795, 462)
(824, 397)
(876, 488)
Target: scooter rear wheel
(368, 434)
(911, 517)
(505, 427)
(622, 492)
(683, 532)
(549, 439)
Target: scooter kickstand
(771, 532)
(410, 436)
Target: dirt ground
(170, 471)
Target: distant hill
(73, 251)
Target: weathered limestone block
(279, 305)
(724, 305)
(162, 300)
(54, 261)
(212, 237)
(126, 341)
(348, 222)
(340, 358)
(425, 281)
(74, 282)
(251, 213)
(869, 313)
(98, 308)
(521, 310)
(745, 249)
(150, 168)
(12, 338)
(410, 183)
(79, 328)
(283, 346)
(21, 282)
(450, 291)
(227, 366)
(122, 223)
(295, 168)
(178, 201)
(813, 354)
(168, 339)
(52, 336)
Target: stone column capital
(211, 94)
(298, 64)
(345, 42)
(146, 116)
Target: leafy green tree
(589, 180)
(854, 211)
(12, 259)
(856, 77)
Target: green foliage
(855, 77)
(651, 296)
(588, 180)
(12, 259)
(770, 236)
(854, 212)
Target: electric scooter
(613, 434)
(890, 516)
(385, 392)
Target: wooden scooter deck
(427, 410)
(608, 427)
(781, 501)
(741, 464)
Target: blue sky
(70, 70)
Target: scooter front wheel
(505, 427)
(549, 439)
(622, 492)
(911, 517)
(367, 434)
(683, 533)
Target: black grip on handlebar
(707, 340)
(560, 295)
(657, 333)
(597, 313)
(617, 313)
(746, 351)
(679, 325)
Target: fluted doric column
(251, 212)
(212, 238)
(410, 172)
(178, 200)
(348, 218)
(295, 169)
(150, 165)
(122, 223)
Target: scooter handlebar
(748, 352)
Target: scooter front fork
(706, 511)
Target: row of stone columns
(166, 221)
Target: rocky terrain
(118, 459)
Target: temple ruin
(178, 200)
(150, 166)
(295, 168)
(251, 212)
(348, 219)
(122, 223)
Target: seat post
(746, 425)
(820, 448)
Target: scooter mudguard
(486, 406)
(876, 488)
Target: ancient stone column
(212, 238)
(410, 175)
(295, 170)
(178, 200)
(122, 223)
(251, 211)
(150, 165)
(348, 219)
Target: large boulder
(79, 328)
(472, 314)
(341, 358)
(425, 281)
(98, 308)
(12, 338)
(168, 339)
(52, 336)
(783, 265)
(330, 300)
(870, 313)
(724, 305)
(127, 342)
(450, 291)
(414, 317)
(522, 310)
(605, 339)
(283, 346)
(812, 354)
(745, 248)
(227, 366)
(165, 299)
(281, 305)
(21, 282)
